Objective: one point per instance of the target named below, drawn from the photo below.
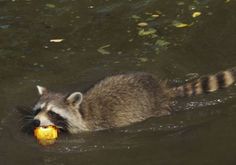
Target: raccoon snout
(36, 123)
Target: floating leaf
(103, 51)
(158, 12)
(196, 14)
(4, 26)
(180, 3)
(179, 24)
(143, 59)
(162, 43)
(148, 13)
(142, 24)
(150, 19)
(49, 5)
(149, 31)
(155, 15)
(56, 40)
(135, 17)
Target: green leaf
(149, 31)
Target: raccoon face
(58, 110)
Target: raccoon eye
(37, 111)
(54, 115)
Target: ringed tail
(206, 84)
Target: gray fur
(206, 84)
(116, 101)
(121, 100)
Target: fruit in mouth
(46, 135)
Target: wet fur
(123, 99)
(206, 84)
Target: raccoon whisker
(24, 125)
(24, 110)
(28, 121)
(26, 118)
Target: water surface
(202, 129)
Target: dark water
(202, 131)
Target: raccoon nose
(36, 122)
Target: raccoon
(119, 101)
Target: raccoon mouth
(59, 128)
(45, 126)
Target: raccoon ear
(75, 98)
(42, 90)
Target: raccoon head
(61, 111)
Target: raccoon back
(124, 99)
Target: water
(201, 131)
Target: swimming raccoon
(118, 101)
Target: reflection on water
(200, 127)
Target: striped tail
(206, 84)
